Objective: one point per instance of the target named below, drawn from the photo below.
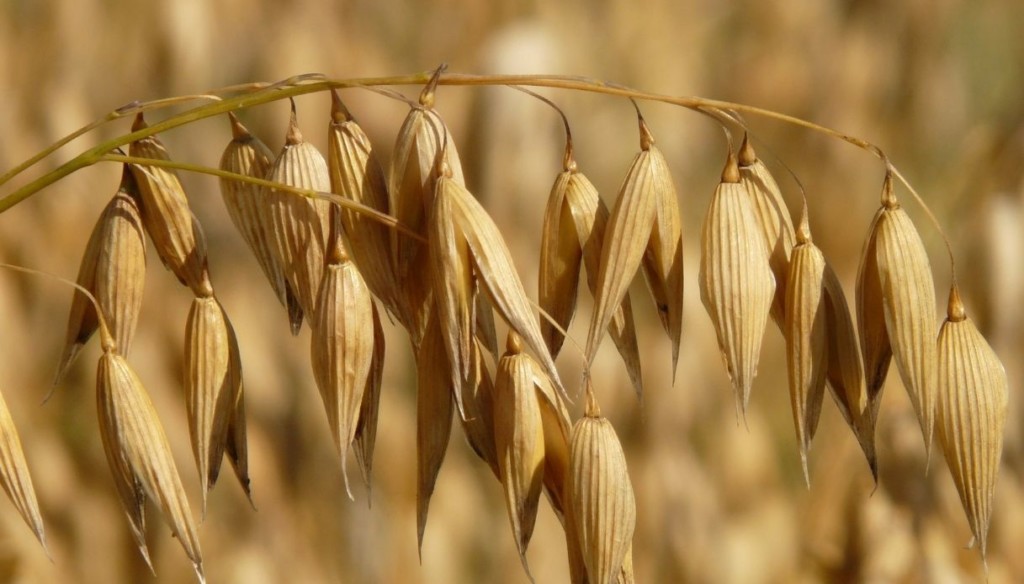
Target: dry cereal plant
(353, 248)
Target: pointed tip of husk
(139, 123)
(427, 95)
(955, 309)
(200, 575)
(239, 133)
(646, 137)
(803, 229)
(731, 172)
(293, 136)
(803, 465)
(66, 361)
(339, 112)
(747, 154)
(889, 200)
(343, 450)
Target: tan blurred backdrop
(938, 84)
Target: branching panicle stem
(248, 95)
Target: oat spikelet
(356, 175)
(908, 302)
(136, 445)
(212, 383)
(166, 214)
(490, 262)
(299, 226)
(774, 219)
(342, 347)
(114, 269)
(369, 410)
(519, 439)
(453, 284)
(663, 258)
(875, 346)
(237, 446)
(806, 330)
(414, 169)
(249, 156)
(14, 475)
(573, 234)
(845, 374)
(603, 507)
(972, 403)
(434, 407)
(478, 408)
(736, 281)
(646, 198)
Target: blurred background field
(938, 84)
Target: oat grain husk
(736, 282)
(247, 155)
(575, 220)
(490, 265)
(773, 218)
(434, 408)
(357, 175)
(423, 141)
(15, 477)
(806, 333)
(166, 214)
(212, 385)
(908, 303)
(342, 347)
(113, 269)
(971, 414)
(602, 502)
(137, 449)
(519, 442)
(365, 438)
(299, 226)
(642, 230)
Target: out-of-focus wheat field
(938, 84)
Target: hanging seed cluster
(342, 239)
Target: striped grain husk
(434, 408)
(467, 249)
(602, 504)
(845, 373)
(971, 414)
(356, 175)
(773, 218)
(369, 410)
(478, 411)
(643, 228)
(15, 477)
(247, 155)
(298, 226)
(905, 292)
(736, 282)
(422, 141)
(213, 381)
(139, 455)
(575, 220)
(806, 332)
(519, 440)
(166, 214)
(342, 347)
(113, 269)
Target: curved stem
(247, 95)
(931, 217)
